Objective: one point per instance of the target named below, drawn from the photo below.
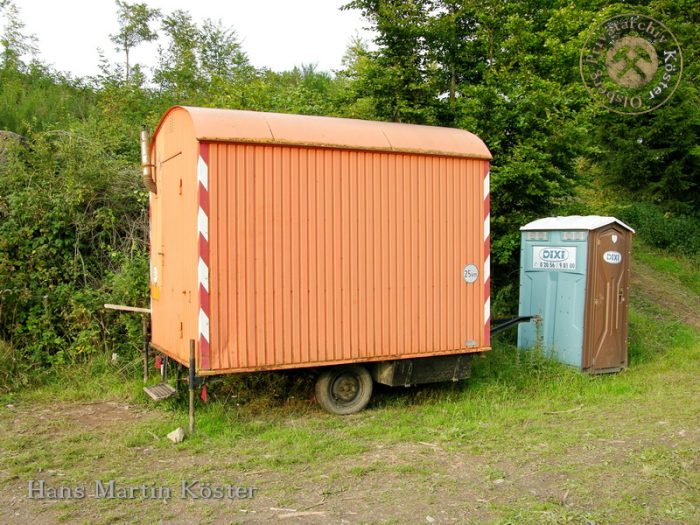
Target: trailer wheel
(344, 390)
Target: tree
(483, 67)
(200, 63)
(178, 72)
(134, 28)
(656, 155)
(221, 54)
(396, 76)
(454, 48)
(15, 43)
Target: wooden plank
(127, 308)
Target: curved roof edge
(573, 222)
(230, 125)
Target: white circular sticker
(470, 273)
(612, 257)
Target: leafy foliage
(134, 28)
(71, 221)
(484, 68)
(73, 216)
(656, 155)
(676, 233)
(199, 62)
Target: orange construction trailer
(357, 248)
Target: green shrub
(679, 234)
(15, 369)
(72, 221)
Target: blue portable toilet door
(605, 337)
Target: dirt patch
(407, 482)
(97, 416)
(101, 414)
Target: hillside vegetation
(524, 441)
(73, 214)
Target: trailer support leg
(191, 385)
(145, 349)
(178, 378)
(164, 369)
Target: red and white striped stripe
(487, 257)
(203, 263)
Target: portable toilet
(575, 274)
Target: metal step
(160, 391)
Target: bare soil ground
(639, 459)
(633, 459)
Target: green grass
(519, 415)
(682, 268)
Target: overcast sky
(277, 34)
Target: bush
(679, 234)
(72, 231)
(14, 369)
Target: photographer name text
(110, 489)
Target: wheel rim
(345, 388)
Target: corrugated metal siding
(321, 256)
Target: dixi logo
(612, 257)
(554, 254)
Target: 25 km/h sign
(631, 64)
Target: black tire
(344, 390)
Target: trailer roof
(227, 125)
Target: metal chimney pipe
(146, 163)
